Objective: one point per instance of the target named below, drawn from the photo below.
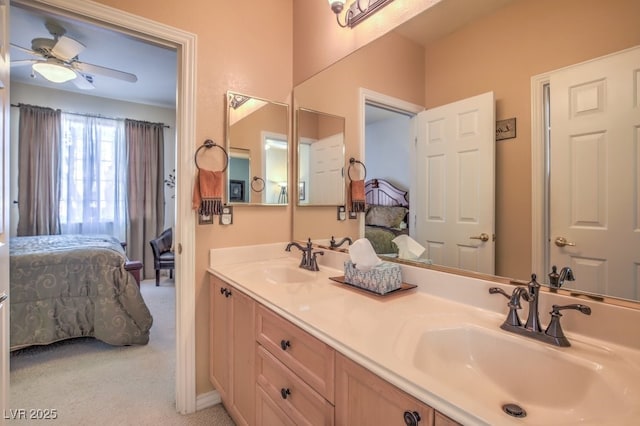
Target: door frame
(369, 96)
(185, 44)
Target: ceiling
(155, 66)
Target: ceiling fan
(57, 60)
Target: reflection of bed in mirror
(386, 216)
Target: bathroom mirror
(258, 147)
(320, 140)
(499, 51)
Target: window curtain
(145, 145)
(39, 170)
(93, 193)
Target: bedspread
(65, 286)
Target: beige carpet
(89, 382)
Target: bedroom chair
(163, 257)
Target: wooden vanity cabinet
(232, 350)
(270, 372)
(295, 374)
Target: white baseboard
(207, 400)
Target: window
(93, 176)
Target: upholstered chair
(163, 256)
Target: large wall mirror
(320, 141)
(503, 51)
(258, 147)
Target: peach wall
(318, 41)
(393, 66)
(501, 53)
(245, 47)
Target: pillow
(388, 216)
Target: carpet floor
(84, 381)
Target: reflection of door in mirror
(593, 214)
(239, 175)
(455, 152)
(276, 158)
(320, 158)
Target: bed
(386, 215)
(67, 286)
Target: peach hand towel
(207, 192)
(358, 201)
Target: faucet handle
(554, 329)
(513, 320)
(554, 276)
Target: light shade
(337, 5)
(54, 72)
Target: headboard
(380, 192)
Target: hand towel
(363, 255)
(207, 193)
(358, 201)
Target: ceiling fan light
(54, 72)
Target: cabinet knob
(284, 344)
(222, 290)
(285, 392)
(411, 418)
(227, 293)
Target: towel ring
(353, 161)
(257, 179)
(210, 144)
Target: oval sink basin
(286, 274)
(553, 385)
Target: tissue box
(381, 279)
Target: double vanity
(292, 346)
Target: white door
(4, 203)
(454, 183)
(595, 175)
(325, 170)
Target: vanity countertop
(383, 334)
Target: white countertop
(377, 331)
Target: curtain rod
(97, 116)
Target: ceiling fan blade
(81, 81)
(23, 62)
(25, 50)
(67, 48)
(107, 72)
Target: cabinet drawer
(299, 401)
(363, 398)
(309, 358)
(268, 413)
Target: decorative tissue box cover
(381, 279)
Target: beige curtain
(40, 140)
(145, 145)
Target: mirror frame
(253, 179)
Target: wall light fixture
(357, 12)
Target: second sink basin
(556, 385)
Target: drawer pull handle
(285, 392)
(284, 344)
(411, 418)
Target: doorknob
(562, 241)
(482, 237)
(3, 297)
